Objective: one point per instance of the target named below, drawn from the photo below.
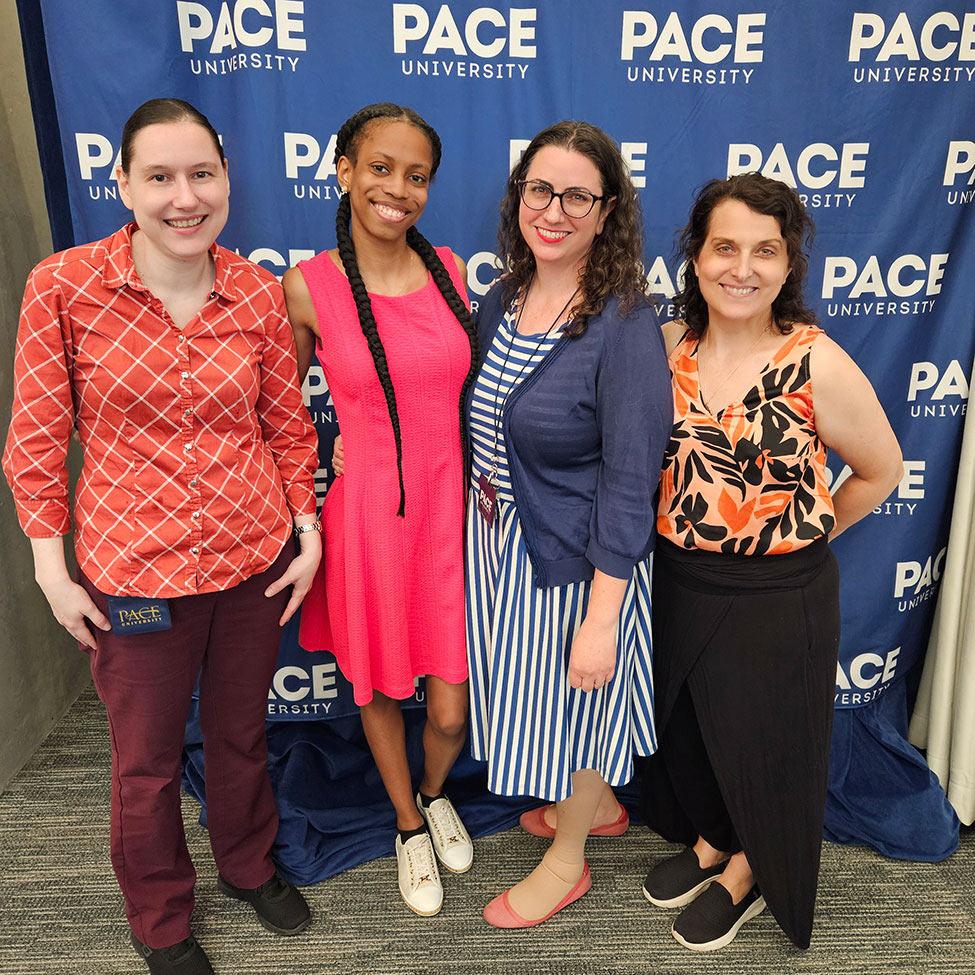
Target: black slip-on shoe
(712, 921)
(677, 880)
(185, 958)
(280, 907)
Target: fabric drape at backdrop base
(881, 791)
(334, 811)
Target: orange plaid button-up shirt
(196, 441)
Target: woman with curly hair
(569, 416)
(387, 315)
(746, 622)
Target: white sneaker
(419, 879)
(451, 842)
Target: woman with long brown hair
(568, 418)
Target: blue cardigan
(585, 435)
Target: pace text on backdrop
(869, 112)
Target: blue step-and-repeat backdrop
(868, 109)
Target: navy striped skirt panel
(531, 727)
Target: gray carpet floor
(61, 912)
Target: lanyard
(499, 403)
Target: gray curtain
(944, 716)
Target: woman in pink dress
(386, 314)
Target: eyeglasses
(575, 202)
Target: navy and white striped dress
(531, 727)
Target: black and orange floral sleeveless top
(751, 479)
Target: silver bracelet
(315, 526)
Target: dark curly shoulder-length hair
(615, 262)
(773, 199)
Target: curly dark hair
(615, 262)
(773, 199)
(346, 144)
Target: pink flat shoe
(500, 914)
(534, 822)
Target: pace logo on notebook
(136, 614)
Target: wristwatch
(315, 526)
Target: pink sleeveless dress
(388, 600)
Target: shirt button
(213, 294)
(194, 551)
(187, 447)
(194, 482)
(182, 337)
(184, 375)
(196, 514)
(188, 412)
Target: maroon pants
(230, 640)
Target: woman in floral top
(745, 595)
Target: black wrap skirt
(755, 640)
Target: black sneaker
(677, 880)
(185, 958)
(280, 907)
(712, 921)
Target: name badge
(487, 498)
(136, 614)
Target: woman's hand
(70, 603)
(592, 658)
(299, 574)
(72, 606)
(338, 457)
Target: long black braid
(346, 143)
